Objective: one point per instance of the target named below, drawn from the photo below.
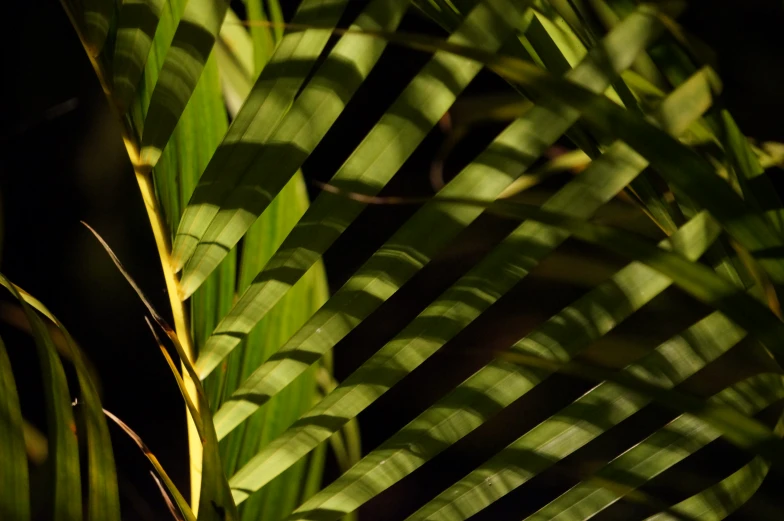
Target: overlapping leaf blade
(93, 20)
(137, 24)
(690, 175)
(168, 486)
(234, 51)
(415, 243)
(381, 153)
(66, 497)
(722, 499)
(664, 449)
(684, 169)
(500, 383)
(209, 488)
(574, 426)
(185, 60)
(443, 319)
(278, 128)
(259, 243)
(696, 279)
(103, 494)
(269, 100)
(329, 216)
(372, 164)
(14, 488)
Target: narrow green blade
(182, 68)
(103, 494)
(757, 188)
(420, 106)
(93, 20)
(683, 168)
(696, 279)
(500, 383)
(168, 484)
(329, 103)
(61, 428)
(723, 498)
(689, 174)
(454, 310)
(215, 504)
(137, 24)
(263, 39)
(574, 426)
(663, 449)
(214, 497)
(234, 52)
(258, 245)
(14, 488)
(423, 235)
(269, 101)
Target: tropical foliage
(220, 112)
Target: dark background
(62, 161)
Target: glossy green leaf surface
(269, 100)
(185, 60)
(453, 311)
(372, 164)
(591, 80)
(137, 24)
(103, 493)
(665, 448)
(500, 383)
(258, 245)
(66, 498)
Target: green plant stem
(143, 175)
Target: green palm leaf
(137, 25)
(66, 502)
(93, 20)
(14, 488)
(374, 161)
(415, 243)
(211, 492)
(458, 307)
(103, 497)
(723, 498)
(258, 245)
(267, 103)
(500, 383)
(664, 449)
(185, 60)
(233, 200)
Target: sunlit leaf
(258, 245)
(454, 310)
(373, 164)
(182, 68)
(665, 448)
(138, 21)
(255, 124)
(500, 383)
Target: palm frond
(63, 451)
(611, 77)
